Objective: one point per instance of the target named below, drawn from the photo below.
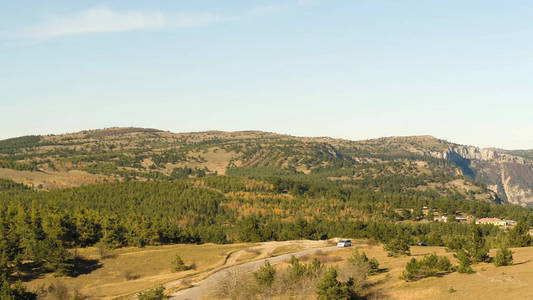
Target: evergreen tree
(398, 246)
(476, 247)
(430, 265)
(178, 265)
(15, 292)
(519, 236)
(504, 257)
(329, 287)
(465, 262)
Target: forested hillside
(38, 226)
(118, 154)
(136, 187)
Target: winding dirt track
(205, 287)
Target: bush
(178, 265)
(58, 291)
(265, 275)
(298, 279)
(398, 246)
(360, 260)
(504, 257)
(298, 270)
(430, 265)
(329, 287)
(15, 292)
(157, 293)
(129, 275)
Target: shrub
(298, 270)
(504, 257)
(129, 275)
(103, 250)
(397, 246)
(157, 293)
(178, 265)
(265, 275)
(58, 291)
(370, 266)
(465, 262)
(15, 292)
(430, 265)
(329, 287)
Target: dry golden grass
(216, 160)
(285, 249)
(489, 281)
(127, 271)
(50, 180)
(130, 270)
(248, 254)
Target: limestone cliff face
(508, 175)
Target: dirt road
(205, 287)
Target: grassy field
(489, 281)
(129, 270)
(285, 249)
(52, 179)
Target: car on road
(344, 243)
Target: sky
(459, 70)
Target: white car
(344, 243)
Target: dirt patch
(52, 180)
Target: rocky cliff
(509, 175)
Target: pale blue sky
(456, 69)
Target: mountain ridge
(120, 153)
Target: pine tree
(178, 265)
(465, 262)
(398, 246)
(329, 287)
(504, 257)
(519, 235)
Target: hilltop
(117, 154)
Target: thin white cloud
(98, 20)
(103, 19)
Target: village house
(510, 223)
(493, 221)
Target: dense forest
(38, 227)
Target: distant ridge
(131, 152)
